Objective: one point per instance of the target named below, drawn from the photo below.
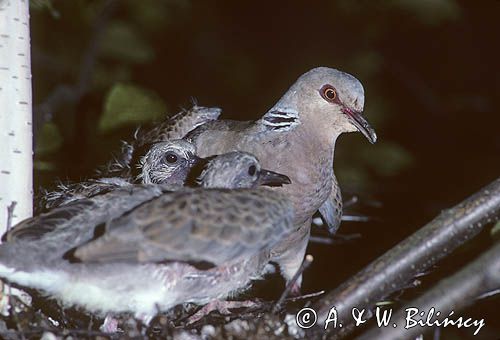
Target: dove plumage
(204, 225)
(167, 162)
(132, 158)
(174, 127)
(331, 209)
(76, 220)
(200, 224)
(179, 125)
(146, 258)
(164, 163)
(297, 136)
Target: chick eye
(171, 158)
(252, 170)
(328, 93)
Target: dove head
(237, 170)
(330, 100)
(168, 162)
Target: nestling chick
(146, 260)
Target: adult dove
(297, 136)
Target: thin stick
(320, 239)
(353, 200)
(305, 296)
(306, 263)
(356, 218)
(10, 214)
(337, 238)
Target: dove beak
(271, 178)
(194, 160)
(357, 119)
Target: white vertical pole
(16, 150)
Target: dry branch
(454, 293)
(416, 254)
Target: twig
(342, 238)
(305, 296)
(321, 239)
(41, 330)
(306, 263)
(414, 255)
(337, 238)
(453, 293)
(489, 294)
(356, 218)
(10, 214)
(353, 200)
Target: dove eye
(328, 93)
(252, 170)
(171, 158)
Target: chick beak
(271, 178)
(357, 119)
(195, 160)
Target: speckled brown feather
(174, 127)
(82, 216)
(206, 225)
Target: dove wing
(331, 209)
(204, 225)
(84, 214)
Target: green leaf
(130, 105)
(120, 41)
(49, 140)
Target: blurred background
(429, 68)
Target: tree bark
(397, 267)
(454, 293)
(16, 151)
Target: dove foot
(222, 307)
(110, 324)
(295, 289)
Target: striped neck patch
(281, 119)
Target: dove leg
(222, 307)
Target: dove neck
(320, 137)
